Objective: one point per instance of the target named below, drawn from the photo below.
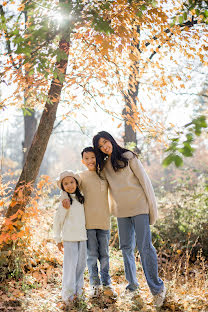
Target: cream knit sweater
(95, 191)
(131, 191)
(69, 224)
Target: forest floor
(35, 293)
(39, 289)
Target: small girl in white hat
(71, 224)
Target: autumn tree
(192, 13)
(92, 49)
(43, 50)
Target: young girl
(71, 224)
(133, 203)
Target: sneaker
(95, 291)
(159, 298)
(109, 291)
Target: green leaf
(206, 13)
(101, 25)
(185, 16)
(187, 151)
(27, 111)
(143, 7)
(180, 19)
(31, 72)
(173, 22)
(189, 137)
(139, 13)
(178, 161)
(168, 160)
(202, 120)
(154, 4)
(197, 12)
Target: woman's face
(105, 146)
(69, 184)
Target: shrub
(185, 222)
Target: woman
(133, 203)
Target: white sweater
(95, 190)
(70, 223)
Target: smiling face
(69, 184)
(105, 146)
(89, 160)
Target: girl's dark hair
(117, 159)
(78, 194)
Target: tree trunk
(30, 124)
(36, 152)
(30, 121)
(131, 101)
(133, 88)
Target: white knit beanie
(67, 173)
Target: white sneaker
(159, 298)
(95, 291)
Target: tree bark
(36, 152)
(30, 125)
(131, 100)
(30, 120)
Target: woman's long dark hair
(117, 159)
(78, 194)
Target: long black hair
(78, 194)
(117, 159)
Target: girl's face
(105, 146)
(69, 184)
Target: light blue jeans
(127, 228)
(98, 250)
(75, 256)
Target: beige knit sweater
(131, 191)
(95, 191)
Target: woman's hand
(60, 246)
(66, 203)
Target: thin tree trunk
(133, 88)
(30, 125)
(131, 100)
(30, 120)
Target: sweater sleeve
(146, 184)
(58, 223)
(63, 195)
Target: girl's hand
(60, 246)
(66, 203)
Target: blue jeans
(127, 228)
(98, 249)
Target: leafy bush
(185, 221)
